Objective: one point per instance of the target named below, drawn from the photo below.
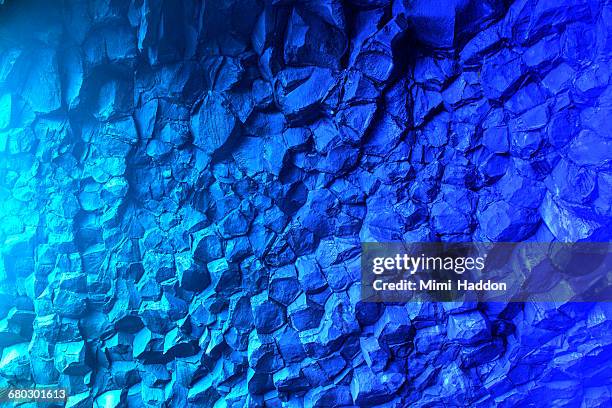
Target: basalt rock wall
(185, 185)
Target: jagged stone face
(184, 188)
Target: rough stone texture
(184, 188)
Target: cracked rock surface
(185, 186)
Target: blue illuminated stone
(185, 191)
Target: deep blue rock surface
(184, 188)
